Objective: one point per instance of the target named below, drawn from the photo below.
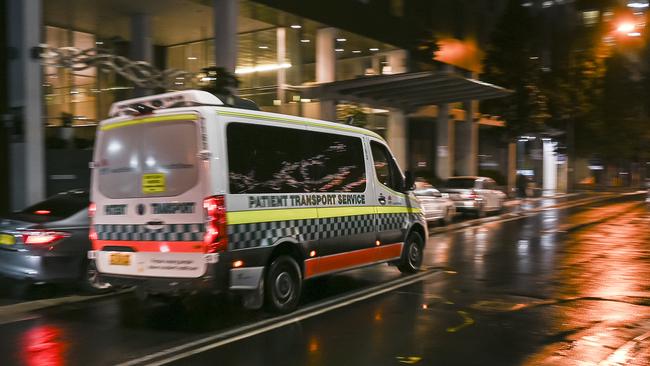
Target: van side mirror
(409, 181)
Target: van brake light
(216, 231)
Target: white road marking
(205, 344)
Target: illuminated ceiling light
(305, 41)
(547, 4)
(339, 49)
(625, 27)
(373, 49)
(261, 68)
(634, 34)
(356, 51)
(296, 26)
(341, 39)
(192, 58)
(263, 47)
(99, 43)
(637, 5)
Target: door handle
(154, 225)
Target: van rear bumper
(215, 280)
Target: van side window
(268, 159)
(335, 163)
(386, 169)
(265, 159)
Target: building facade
(290, 56)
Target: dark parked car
(48, 242)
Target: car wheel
(412, 254)
(282, 285)
(90, 281)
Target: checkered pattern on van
(253, 235)
(169, 232)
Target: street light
(625, 27)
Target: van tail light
(92, 208)
(92, 234)
(216, 225)
(43, 237)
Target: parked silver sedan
(48, 242)
(475, 195)
(436, 206)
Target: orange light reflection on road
(44, 345)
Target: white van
(190, 194)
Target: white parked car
(436, 206)
(476, 195)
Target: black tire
(282, 285)
(90, 282)
(412, 254)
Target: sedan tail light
(43, 237)
(216, 231)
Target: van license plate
(120, 259)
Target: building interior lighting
(262, 68)
(356, 51)
(305, 41)
(373, 49)
(296, 26)
(634, 34)
(341, 39)
(637, 5)
(263, 47)
(339, 49)
(192, 58)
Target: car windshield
(460, 183)
(57, 207)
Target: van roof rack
(185, 98)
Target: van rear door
(149, 191)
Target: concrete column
(397, 60)
(27, 152)
(512, 166)
(225, 17)
(445, 143)
(281, 35)
(396, 136)
(550, 168)
(141, 47)
(325, 55)
(326, 68)
(468, 141)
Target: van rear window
(268, 159)
(155, 159)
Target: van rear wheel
(412, 254)
(282, 285)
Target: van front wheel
(282, 285)
(412, 254)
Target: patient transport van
(190, 194)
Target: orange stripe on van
(338, 262)
(153, 246)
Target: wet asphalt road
(525, 291)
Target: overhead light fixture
(339, 49)
(263, 47)
(356, 51)
(373, 49)
(296, 26)
(262, 68)
(341, 39)
(625, 27)
(305, 41)
(634, 34)
(192, 58)
(637, 5)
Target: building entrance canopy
(407, 91)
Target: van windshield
(155, 159)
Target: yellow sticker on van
(153, 183)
